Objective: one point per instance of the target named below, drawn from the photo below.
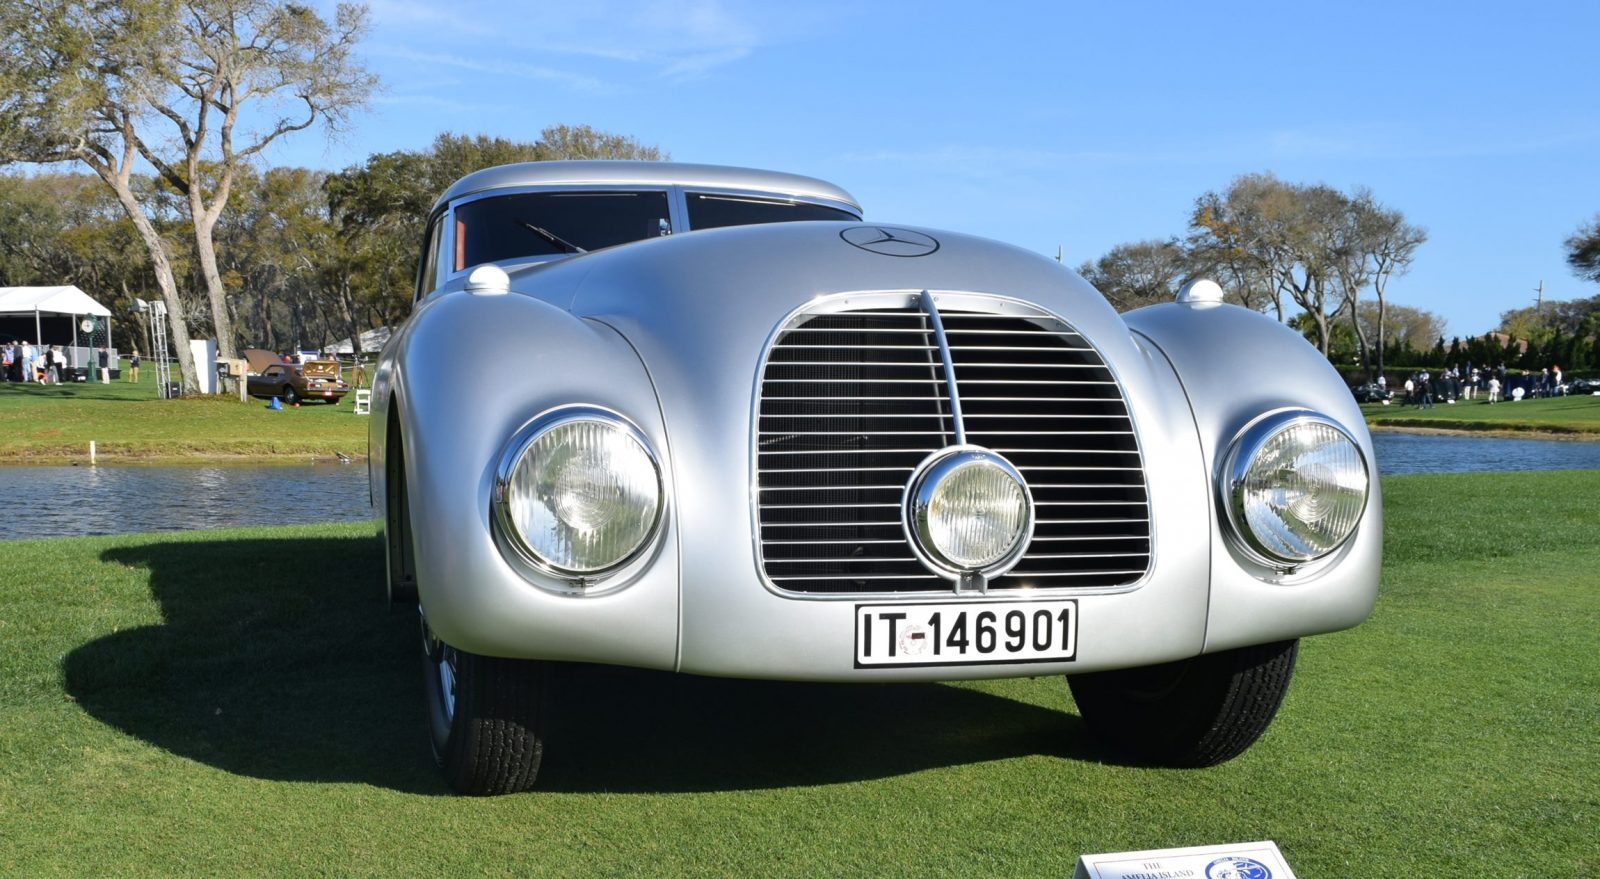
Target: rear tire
(398, 551)
(1191, 713)
(484, 718)
(289, 395)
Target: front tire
(1191, 713)
(484, 718)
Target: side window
(546, 224)
(428, 270)
(273, 372)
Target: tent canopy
(51, 300)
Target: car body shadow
(276, 659)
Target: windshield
(537, 224)
(715, 211)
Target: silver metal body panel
(671, 332)
(1270, 368)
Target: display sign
(1245, 860)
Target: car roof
(650, 174)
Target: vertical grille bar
(931, 309)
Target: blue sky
(1054, 124)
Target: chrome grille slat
(853, 380)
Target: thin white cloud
(673, 40)
(497, 68)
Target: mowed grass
(1575, 416)
(126, 421)
(241, 702)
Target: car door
(268, 384)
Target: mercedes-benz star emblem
(890, 241)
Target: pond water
(1401, 453)
(65, 501)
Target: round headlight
(1297, 486)
(579, 492)
(970, 512)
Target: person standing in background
(105, 366)
(133, 367)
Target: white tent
(371, 341)
(49, 300)
(39, 301)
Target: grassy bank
(240, 703)
(126, 421)
(1577, 417)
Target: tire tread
(494, 746)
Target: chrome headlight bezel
(918, 498)
(1241, 456)
(511, 457)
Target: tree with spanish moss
(194, 89)
(1583, 251)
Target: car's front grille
(852, 400)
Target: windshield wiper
(553, 238)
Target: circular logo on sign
(1233, 867)
(890, 241)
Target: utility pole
(1538, 304)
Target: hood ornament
(890, 241)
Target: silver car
(734, 430)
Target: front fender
(1235, 365)
(469, 371)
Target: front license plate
(964, 633)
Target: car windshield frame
(678, 218)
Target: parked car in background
(1372, 392)
(725, 427)
(293, 382)
(1583, 386)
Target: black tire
(483, 718)
(398, 551)
(289, 396)
(1195, 712)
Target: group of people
(1423, 389)
(22, 361)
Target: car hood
(722, 292)
(260, 358)
(700, 308)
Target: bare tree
(74, 81)
(285, 62)
(1135, 275)
(172, 84)
(1244, 236)
(1355, 237)
(1394, 245)
(1583, 251)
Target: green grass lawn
(1576, 416)
(240, 702)
(126, 421)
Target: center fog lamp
(969, 512)
(578, 493)
(1295, 486)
